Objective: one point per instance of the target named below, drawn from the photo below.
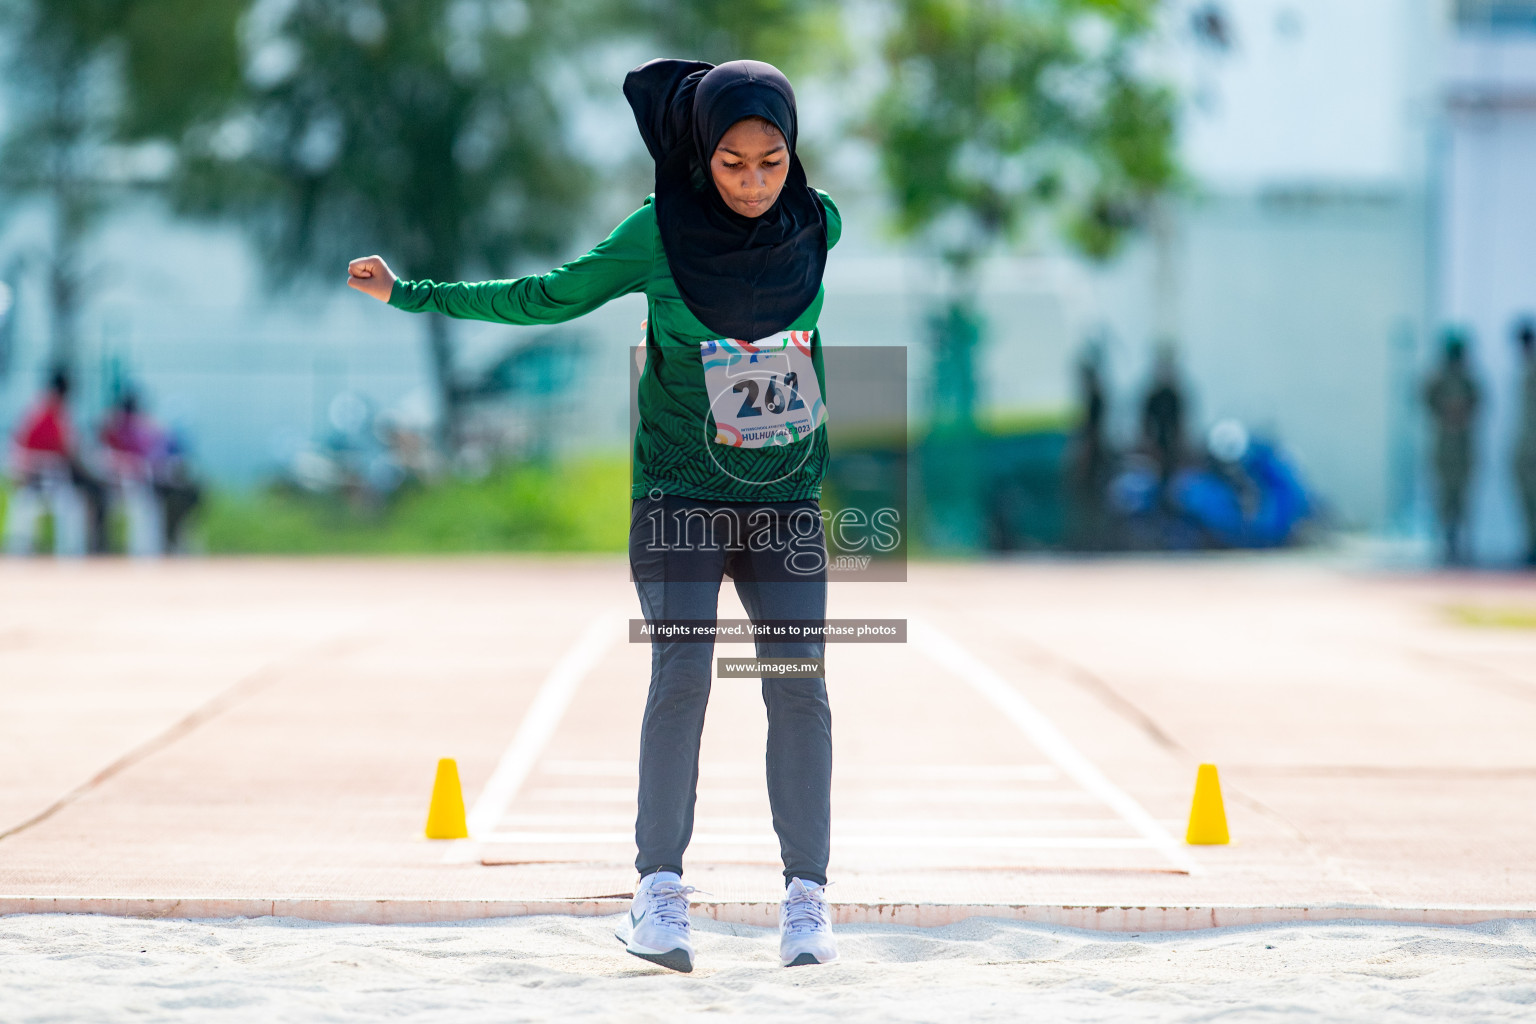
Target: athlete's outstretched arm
(620, 264)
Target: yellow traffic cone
(445, 818)
(1207, 816)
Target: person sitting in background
(1452, 396)
(131, 441)
(179, 491)
(49, 475)
(150, 462)
(128, 435)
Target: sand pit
(81, 969)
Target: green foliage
(181, 62)
(577, 506)
(426, 129)
(1023, 421)
(59, 115)
(998, 110)
(1503, 616)
(431, 131)
(790, 34)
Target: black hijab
(743, 277)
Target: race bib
(762, 392)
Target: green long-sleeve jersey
(679, 448)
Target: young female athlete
(729, 455)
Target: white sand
(75, 968)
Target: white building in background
(1292, 279)
(1361, 177)
(1364, 175)
(1372, 171)
(1485, 260)
(1295, 276)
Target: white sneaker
(656, 928)
(805, 925)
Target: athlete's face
(749, 166)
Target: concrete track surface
(248, 738)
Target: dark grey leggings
(679, 549)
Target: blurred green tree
(793, 35)
(431, 131)
(69, 115)
(999, 118)
(997, 113)
(59, 122)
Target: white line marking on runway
(594, 769)
(846, 825)
(582, 794)
(892, 842)
(948, 772)
(951, 795)
(627, 794)
(540, 722)
(1042, 732)
(555, 695)
(945, 794)
(879, 772)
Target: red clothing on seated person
(46, 429)
(44, 440)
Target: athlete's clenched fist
(370, 274)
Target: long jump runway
(210, 739)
